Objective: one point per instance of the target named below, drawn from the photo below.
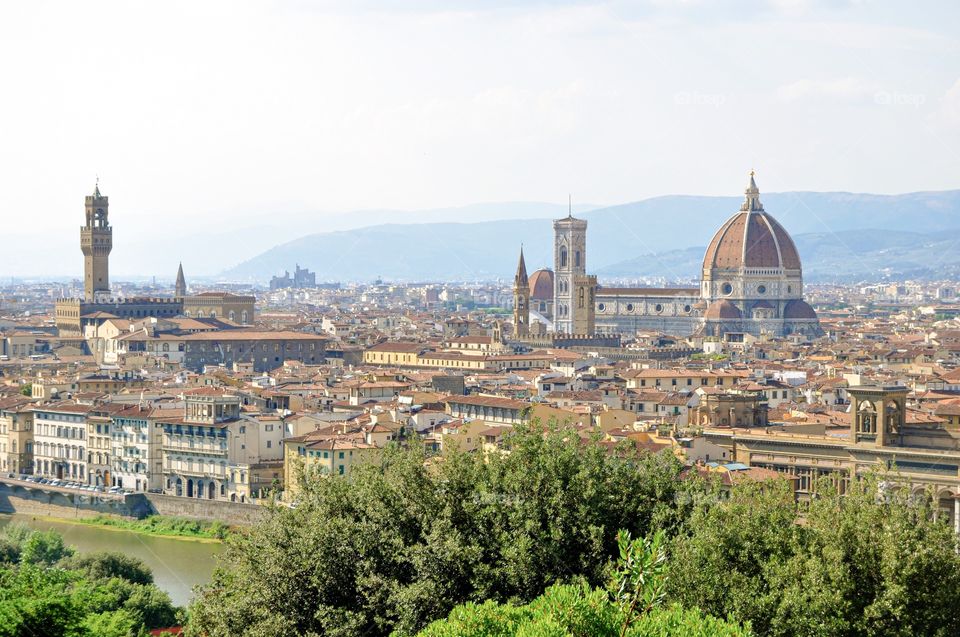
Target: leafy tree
(104, 565)
(639, 580)
(49, 591)
(865, 563)
(566, 610)
(398, 544)
(44, 548)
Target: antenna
(570, 206)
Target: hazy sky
(214, 112)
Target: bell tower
(569, 263)
(521, 300)
(96, 241)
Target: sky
(200, 116)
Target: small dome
(722, 310)
(762, 305)
(797, 309)
(541, 285)
(751, 239)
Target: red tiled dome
(797, 309)
(751, 239)
(722, 310)
(541, 285)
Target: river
(177, 565)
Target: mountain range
(840, 236)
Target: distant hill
(838, 234)
(849, 255)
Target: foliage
(51, 591)
(870, 562)
(566, 610)
(164, 525)
(44, 548)
(396, 545)
(639, 578)
(104, 565)
(27, 389)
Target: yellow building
(323, 453)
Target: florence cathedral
(751, 283)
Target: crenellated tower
(96, 242)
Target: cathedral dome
(797, 309)
(722, 310)
(541, 285)
(751, 238)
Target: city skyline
(435, 105)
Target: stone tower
(570, 262)
(521, 300)
(96, 241)
(584, 315)
(877, 414)
(180, 289)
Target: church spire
(521, 276)
(180, 289)
(751, 202)
(96, 188)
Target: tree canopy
(398, 544)
(48, 590)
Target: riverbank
(178, 564)
(161, 526)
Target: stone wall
(233, 513)
(16, 498)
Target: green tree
(104, 565)
(567, 610)
(869, 562)
(398, 544)
(44, 548)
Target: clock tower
(96, 241)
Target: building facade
(16, 435)
(60, 441)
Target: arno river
(177, 565)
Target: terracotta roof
(541, 285)
(722, 310)
(797, 309)
(751, 239)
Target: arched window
(576, 258)
(563, 257)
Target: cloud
(948, 115)
(848, 88)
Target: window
(341, 455)
(563, 257)
(341, 467)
